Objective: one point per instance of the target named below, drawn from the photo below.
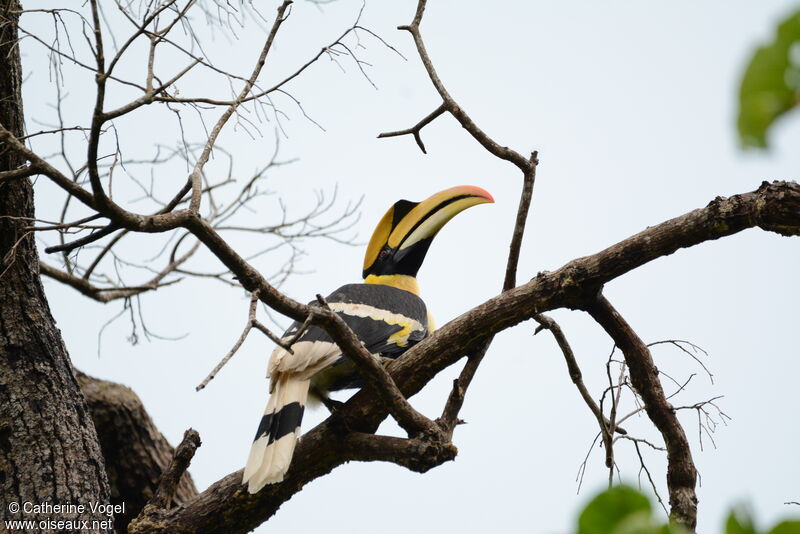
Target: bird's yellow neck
(400, 281)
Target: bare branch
(681, 472)
(107, 294)
(194, 205)
(14, 174)
(91, 238)
(681, 345)
(415, 130)
(514, 249)
(252, 322)
(643, 467)
(414, 454)
(171, 477)
(450, 104)
(251, 319)
(449, 418)
(607, 428)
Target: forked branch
(681, 472)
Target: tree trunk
(49, 451)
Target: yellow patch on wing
(400, 338)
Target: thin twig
(251, 320)
(415, 130)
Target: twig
(251, 320)
(607, 428)
(91, 238)
(450, 104)
(415, 130)
(649, 477)
(449, 418)
(679, 343)
(194, 204)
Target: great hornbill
(385, 312)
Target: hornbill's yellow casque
(385, 312)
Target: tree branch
(417, 455)
(451, 105)
(774, 207)
(107, 294)
(607, 428)
(177, 467)
(194, 204)
(415, 130)
(681, 472)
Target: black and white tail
(277, 434)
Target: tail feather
(277, 434)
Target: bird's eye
(384, 253)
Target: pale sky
(631, 106)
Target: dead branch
(415, 130)
(505, 153)
(681, 345)
(607, 427)
(252, 322)
(681, 472)
(177, 467)
(643, 467)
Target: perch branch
(406, 416)
(774, 207)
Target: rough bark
(135, 452)
(48, 446)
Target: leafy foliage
(624, 510)
(771, 84)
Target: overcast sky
(631, 106)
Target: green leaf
(609, 509)
(771, 84)
(739, 522)
(786, 527)
(638, 523)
